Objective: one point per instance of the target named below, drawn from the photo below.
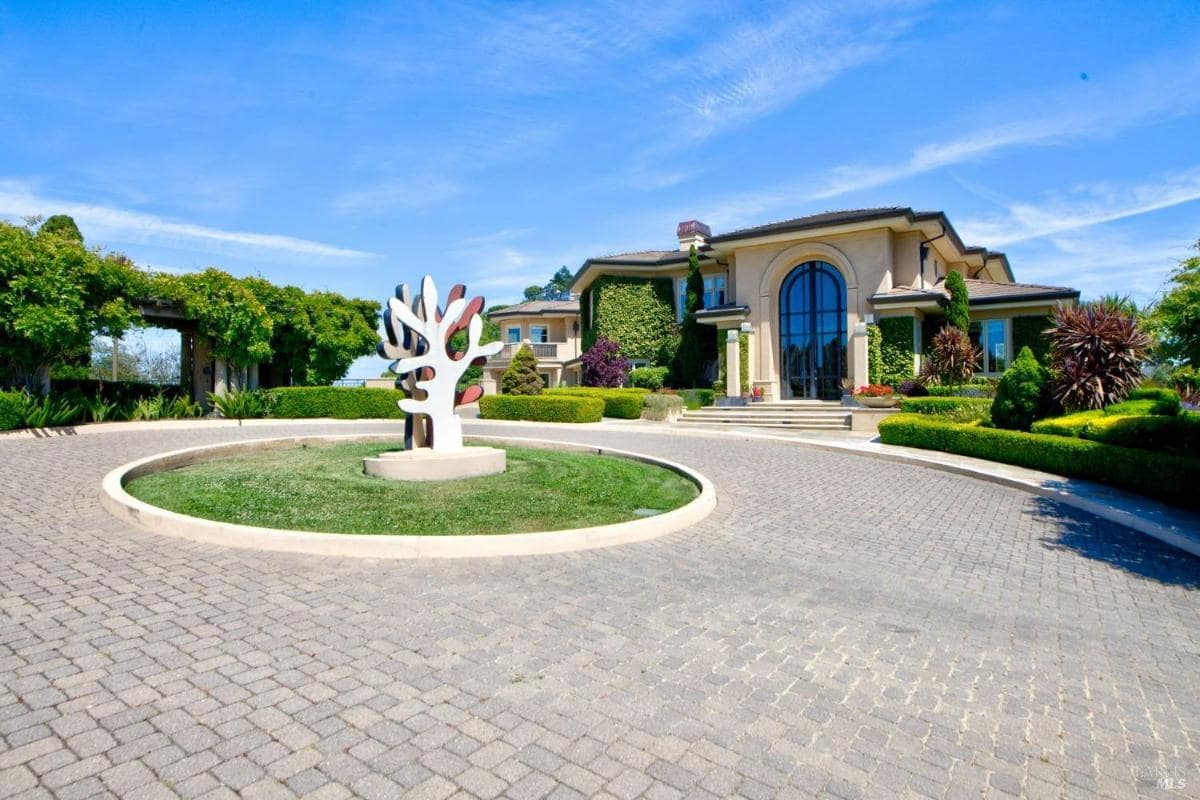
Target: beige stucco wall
(558, 329)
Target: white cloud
(102, 222)
(418, 192)
(1102, 262)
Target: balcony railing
(548, 351)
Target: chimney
(692, 232)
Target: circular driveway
(839, 626)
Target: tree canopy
(557, 287)
(1176, 318)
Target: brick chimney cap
(693, 227)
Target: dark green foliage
(1069, 425)
(1096, 353)
(636, 313)
(522, 377)
(242, 404)
(122, 393)
(546, 407)
(48, 412)
(874, 355)
(1176, 317)
(1168, 477)
(11, 404)
(1031, 332)
(651, 378)
(697, 341)
(63, 226)
(1023, 394)
(958, 311)
(960, 409)
(895, 349)
(618, 403)
(297, 402)
(225, 310)
(697, 398)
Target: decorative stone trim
(121, 504)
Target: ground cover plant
(323, 488)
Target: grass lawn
(323, 488)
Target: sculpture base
(424, 464)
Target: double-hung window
(539, 333)
(714, 290)
(512, 334)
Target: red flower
(873, 390)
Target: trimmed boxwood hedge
(337, 402)
(1070, 425)
(1167, 477)
(621, 403)
(541, 407)
(1178, 434)
(962, 408)
(11, 404)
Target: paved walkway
(839, 627)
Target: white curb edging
(121, 504)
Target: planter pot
(888, 401)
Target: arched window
(812, 332)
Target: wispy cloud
(416, 192)
(1087, 205)
(1101, 262)
(102, 222)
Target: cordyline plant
(603, 364)
(1096, 353)
(952, 358)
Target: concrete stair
(795, 415)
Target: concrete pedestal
(424, 464)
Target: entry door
(812, 325)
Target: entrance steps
(796, 415)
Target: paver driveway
(839, 626)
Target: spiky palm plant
(952, 358)
(1096, 353)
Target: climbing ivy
(1030, 331)
(874, 355)
(225, 311)
(895, 349)
(636, 313)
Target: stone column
(220, 376)
(733, 364)
(202, 367)
(252, 377)
(858, 356)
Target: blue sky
(349, 147)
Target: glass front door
(812, 332)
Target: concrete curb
(121, 504)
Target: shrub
(1023, 394)
(959, 409)
(1031, 332)
(241, 404)
(952, 357)
(11, 404)
(1070, 425)
(542, 408)
(47, 412)
(120, 393)
(603, 365)
(619, 403)
(958, 311)
(147, 408)
(522, 377)
(912, 388)
(97, 409)
(1096, 354)
(1166, 476)
(1169, 433)
(661, 407)
(697, 398)
(648, 377)
(336, 402)
(1160, 402)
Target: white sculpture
(418, 338)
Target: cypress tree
(695, 336)
(958, 313)
(521, 377)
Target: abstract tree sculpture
(418, 340)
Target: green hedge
(1164, 402)
(1070, 425)
(896, 349)
(1031, 332)
(697, 398)
(541, 407)
(648, 377)
(1179, 434)
(636, 313)
(337, 402)
(1167, 477)
(622, 403)
(662, 406)
(963, 409)
(11, 405)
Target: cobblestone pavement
(839, 627)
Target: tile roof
(818, 220)
(980, 292)
(532, 307)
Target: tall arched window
(812, 331)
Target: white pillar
(733, 364)
(859, 355)
(220, 376)
(252, 376)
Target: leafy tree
(561, 281)
(1176, 318)
(63, 226)
(603, 364)
(697, 340)
(958, 312)
(533, 292)
(1023, 394)
(225, 310)
(522, 377)
(102, 361)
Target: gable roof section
(534, 308)
(980, 293)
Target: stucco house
(551, 328)
(800, 294)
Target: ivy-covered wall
(874, 354)
(1031, 332)
(636, 313)
(743, 363)
(896, 349)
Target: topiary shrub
(541, 408)
(11, 404)
(618, 403)
(1096, 354)
(958, 310)
(1023, 394)
(1157, 401)
(662, 407)
(522, 377)
(335, 402)
(603, 364)
(651, 378)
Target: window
(991, 336)
(539, 333)
(512, 334)
(680, 298)
(714, 290)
